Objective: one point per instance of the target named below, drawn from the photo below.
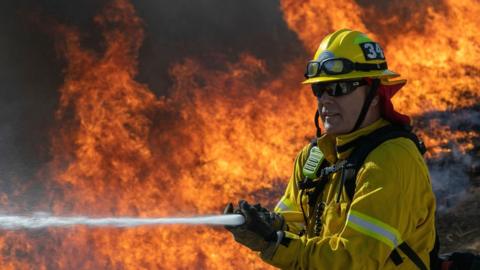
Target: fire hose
(42, 220)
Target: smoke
(389, 19)
(449, 179)
(206, 29)
(449, 170)
(29, 77)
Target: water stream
(37, 221)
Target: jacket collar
(330, 145)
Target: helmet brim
(353, 75)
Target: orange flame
(222, 135)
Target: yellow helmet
(347, 54)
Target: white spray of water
(38, 221)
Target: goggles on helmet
(336, 89)
(336, 66)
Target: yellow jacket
(393, 203)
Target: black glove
(256, 233)
(273, 219)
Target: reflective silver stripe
(374, 229)
(281, 206)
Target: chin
(333, 133)
(335, 130)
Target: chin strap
(368, 101)
(317, 125)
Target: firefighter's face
(339, 114)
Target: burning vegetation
(120, 149)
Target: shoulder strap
(366, 144)
(363, 147)
(407, 250)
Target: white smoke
(450, 172)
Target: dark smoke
(391, 18)
(205, 29)
(29, 76)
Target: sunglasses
(336, 89)
(336, 66)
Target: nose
(324, 99)
(325, 102)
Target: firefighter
(362, 187)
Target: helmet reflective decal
(325, 55)
(372, 51)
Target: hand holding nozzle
(256, 233)
(262, 230)
(277, 219)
